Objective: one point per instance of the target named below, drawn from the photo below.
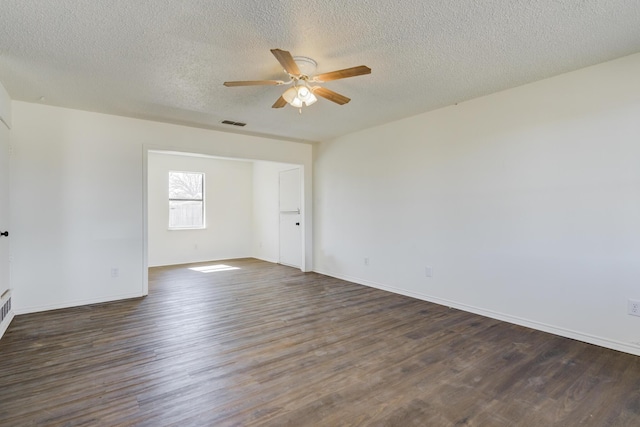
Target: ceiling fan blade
(330, 95)
(279, 103)
(253, 83)
(343, 74)
(286, 60)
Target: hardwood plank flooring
(267, 345)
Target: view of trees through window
(186, 200)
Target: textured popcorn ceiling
(166, 60)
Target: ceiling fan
(300, 70)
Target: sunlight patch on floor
(213, 268)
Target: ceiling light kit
(301, 74)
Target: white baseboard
(75, 303)
(271, 260)
(5, 324)
(567, 333)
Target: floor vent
(4, 311)
(229, 122)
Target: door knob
(297, 223)
(6, 234)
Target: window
(186, 200)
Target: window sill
(186, 228)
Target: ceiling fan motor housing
(307, 66)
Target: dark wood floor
(269, 345)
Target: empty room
(356, 213)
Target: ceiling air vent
(229, 122)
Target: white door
(4, 208)
(290, 227)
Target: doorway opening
(243, 215)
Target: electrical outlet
(634, 307)
(428, 271)
(115, 272)
(366, 261)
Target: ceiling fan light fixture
(306, 95)
(290, 94)
(303, 93)
(311, 99)
(296, 96)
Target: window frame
(201, 200)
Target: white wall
(5, 106)
(78, 198)
(228, 200)
(526, 204)
(266, 212)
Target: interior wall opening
(242, 216)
